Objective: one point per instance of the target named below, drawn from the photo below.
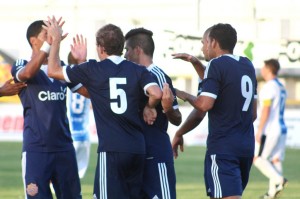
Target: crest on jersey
(32, 189)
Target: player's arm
(54, 30)
(83, 91)
(191, 122)
(265, 113)
(254, 110)
(173, 115)
(33, 66)
(154, 94)
(201, 103)
(9, 88)
(154, 97)
(198, 66)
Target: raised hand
(183, 56)
(54, 29)
(79, 48)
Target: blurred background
(266, 29)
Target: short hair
(143, 38)
(273, 65)
(225, 35)
(111, 38)
(34, 29)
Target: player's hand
(177, 141)
(79, 48)
(149, 115)
(9, 88)
(54, 29)
(167, 98)
(183, 56)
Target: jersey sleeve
(17, 67)
(210, 84)
(76, 73)
(73, 86)
(146, 79)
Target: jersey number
(77, 103)
(247, 91)
(117, 93)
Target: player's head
(36, 35)
(110, 40)
(139, 38)
(272, 66)
(224, 35)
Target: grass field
(189, 170)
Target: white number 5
(116, 92)
(247, 91)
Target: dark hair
(34, 29)
(143, 38)
(273, 65)
(225, 35)
(111, 38)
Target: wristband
(45, 47)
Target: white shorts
(82, 150)
(271, 147)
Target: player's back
(230, 120)
(115, 91)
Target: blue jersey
(46, 127)
(158, 143)
(78, 113)
(232, 82)
(115, 86)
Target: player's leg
(223, 176)
(263, 163)
(36, 172)
(159, 180)
(82, 149)
(119, 174)
(66, 177)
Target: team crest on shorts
(32, 189)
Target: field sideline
(189, 170)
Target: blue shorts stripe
(164, 181)
(102, 175)
(214, 172)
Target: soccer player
(9, 88)
(159, 174)
(48, 152)
(115, 86)
(78, 108)
(229, 96)
(271, 132)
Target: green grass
(189, 170)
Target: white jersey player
(271, 132)
(78, 114)
(78, 108)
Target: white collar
(116, 59)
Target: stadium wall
(11, 126)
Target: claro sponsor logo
(52, 96)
